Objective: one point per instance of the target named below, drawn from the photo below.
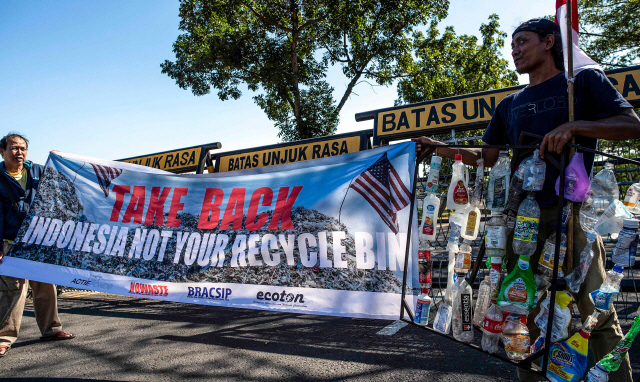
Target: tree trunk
(294, 67)
(347, 92)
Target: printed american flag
(105, 176)
(382, 187)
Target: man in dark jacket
(19, 179)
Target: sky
(84, 77)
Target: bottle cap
(630, 223)
(458, 157)
(425, 291)
(496, 260)
(584, 333)
(617, 268)
(563, 299)
(609, 166)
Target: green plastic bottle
(518, 290)
(612, 361)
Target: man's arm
(622, 126)
(469, 155)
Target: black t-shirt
(541, 108)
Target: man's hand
(420, 149)
(555, 140)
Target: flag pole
(568, 264)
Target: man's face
(528, 51)
(16, 152)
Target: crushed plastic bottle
(497, 195)
(598, 374)
(518, 290)
(611, 362)
(534, 173)
(463, 258)
(525, 236)
(495, 234)
(576, 182)
(423, 307)
(612, 219)
(516, 195)
(458, 194)
(442, 322)
(492, 328)
(483, 302)
(515, 337)
(434, 174)
(462, 322)
(479, 188)
(604, 184)
(624, 254)
(579, 273)
(603, 297)
(547, 257)
(455, 224)
(561, 321)
(430, 210)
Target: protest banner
(325, 236)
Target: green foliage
(282, 51)
(610, 31)
(450, 65)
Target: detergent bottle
(568, 358)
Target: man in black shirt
(541, 108)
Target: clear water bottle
(516, 195)
(497, 195)
(462, 321)
(604, 183)
(478, 190)
(624, 254)
(525, 236)
(495, 234)
(492, 328)
(483, 302)
(515, 337)
(579, 273)
(534, 173)
(603, 297)
(455, 226)
(598, 374)
(610, 223)
(547, 257)
(463, 258)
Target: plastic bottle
(515, 337)
(423, 307)
(561, 320)
(495, 273)
(479, 188)
(434, 174)
(497, 195)
(516, 195)
(471, 221)
(483, 302)
(568, 359)
(546, 261)
(602, 297)
(610, 223)
(598, 374)
(495, 234)
(442, 322)
(455, 224)
(492, 328)
(518, 291)
(462, 323)
(424, 265)
(525, 236)
(579, 273)
(632, 196)
(458, 194)
(463, 258)
(576, 182)
(611, 361)
(534, 173)
(430, 209)
(624, 254)
(604, 184)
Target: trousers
(13, 294)
(607, 332)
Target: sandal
(58, 336)
(4, 349)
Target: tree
(282, 51)
(610, 31)
(450, 65)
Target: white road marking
(392, 328)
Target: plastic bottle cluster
(504, 302)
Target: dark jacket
(11, 220)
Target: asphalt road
(126, 339)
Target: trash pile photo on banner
(326, 236)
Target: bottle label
(499, 193)
(631, 199)
(471, 223)
(516, 343)
(463, 261)
(548, 254)
(428, 228)
(602, 300)
(517, 291)
(422, 312)
(465, 299)
(443, 319)
(492, 326)
(494, 278)
(495, 237)
(526, 229)
(460, 195)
